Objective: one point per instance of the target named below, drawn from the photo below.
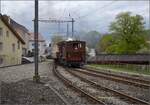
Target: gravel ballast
(18, 87)
(134, 91)
(28, 92)
(68, 93)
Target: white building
(48, 50)
(41, 43)
(92, 52)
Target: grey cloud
(89, 15)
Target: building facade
(25, 37)
(41, 44)
(10, 44)
(22, 31)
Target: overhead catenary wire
(95, 11)
(98, 9)
(78, 17)
(77, 10)
(85, 28)
(65, 9)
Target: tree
(146, 49)
(104, 43)
(146, 34)
(128, 31)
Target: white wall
(41, 46)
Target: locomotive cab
(72, 53)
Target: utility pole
(72, 27)
(67, 29)
(0, 7)
(36, 77)
(58, 27)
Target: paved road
(17, 89)
(16, 73)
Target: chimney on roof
(7, 18)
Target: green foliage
(130, 68)
(146, 34)
(145, 50)
(127, 31)
(105, 42)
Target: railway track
(69, 83)
(115, 93)
(60, 97)
(118, 78)
(122, 95)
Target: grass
(132, 69)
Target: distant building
(92, 52)
(41, 43)
(48, 50)
(10, 44)
(23, 32)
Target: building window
(1, 31)
(32, 44)
(1, 46)
(18, 44)
(13, 47)
(7, 33)
(1, 61)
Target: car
(26, 60)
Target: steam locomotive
(70, 53)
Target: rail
(133, 81)
(68, 82)
(132, 99)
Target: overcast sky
(88, 15)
